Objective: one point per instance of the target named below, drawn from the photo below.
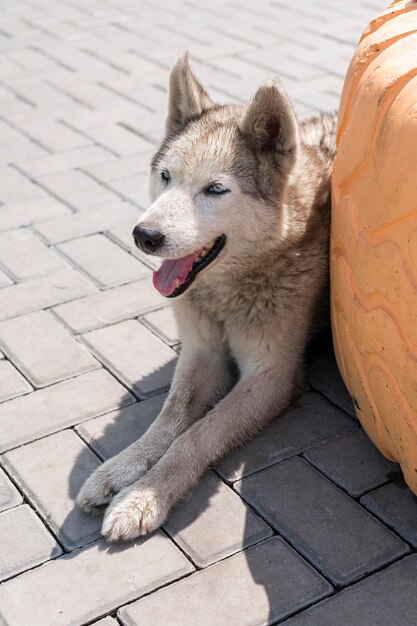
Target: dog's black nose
(148, 239)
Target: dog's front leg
(262, 392)
(201, 378)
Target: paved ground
(308, 513)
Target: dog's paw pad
(132, 515)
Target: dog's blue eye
(165, 176)
(216, 189)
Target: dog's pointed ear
(187, 97)
(270, 125)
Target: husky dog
(240, 215)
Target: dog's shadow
(211, 523)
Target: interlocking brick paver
(118, 139)
(259, 586)
(12, 383)
(64, 161)
(109, 434)
(123, 167)
(163, 324)
(89, 222)
(107, 621)
(386, 598)
(43, 292)
(25, 256)
(311, 422)
(4, 279)
(50, 472)
(323, 375)
(89, 254)
(9, 495)
(61, 591)
(330, 529)
(43, 350)
(17, 188)
(353, 463)
(77, 189)
(396, 506)
(24, 541)
(110, 306)
(48, 410)
(31, 212)
(213, 522)
(135, 355)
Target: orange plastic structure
(374, 235)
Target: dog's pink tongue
(171, 274)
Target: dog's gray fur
(255, 306)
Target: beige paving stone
(12, 383)
(122, 167)
(213, 523)
(88, 583)
(118, 139)
(109, 434)
(25, 256)
(89, 222)
(103, 260)
(43, 292)
(9, 495)
(259, 586)
(50, 472)
(17, 188)
(43, 350)
(48, 410)
(163, 324)
(135, 355)
(24, 541)
(113, 305)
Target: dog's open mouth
(175, 276)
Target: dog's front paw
(135, 511)
(105, 482)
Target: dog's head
(217, 181)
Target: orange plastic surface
(374, 235)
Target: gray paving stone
(108, 434)
(89, 254)
(63, 161)
(384, 599)
(259, 586)
(4, 279)
(50, 472)
(88, 222)
(25, 256)
(395, 505)
(123, 167)
(323, 375)
(48, 410)
(107, 621)
(31, 212)
(118, 139)
(108, 307)
(12, 383)
(311, 422)
(330, 529)
(135, 355)
(353, 463)
(135, 188)
(17, 188)
(43, 350)
(77, 189)
(163, 324)
(24, 541)
(213, 523)
(9, 495)
(61, 590)
(41, 293)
